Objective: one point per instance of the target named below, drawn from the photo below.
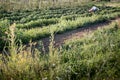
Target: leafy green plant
(3, 32)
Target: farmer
(93, 9)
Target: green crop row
(38, 23)
(65, 23)
(62, 26)
(27, 16)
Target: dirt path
(59, 39)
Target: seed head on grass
(11, 38)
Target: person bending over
(94, 9)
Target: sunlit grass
(96, 56)
(93, 57)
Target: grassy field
(93, 57)
(37, 24)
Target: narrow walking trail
(59, 39)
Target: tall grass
(22, 64)
(94, 57)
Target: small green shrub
(3, 32)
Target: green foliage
(62, 26)
(37, 23)
(94, 57)
(33, 15)
(3, 32)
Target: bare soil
(59, 39)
